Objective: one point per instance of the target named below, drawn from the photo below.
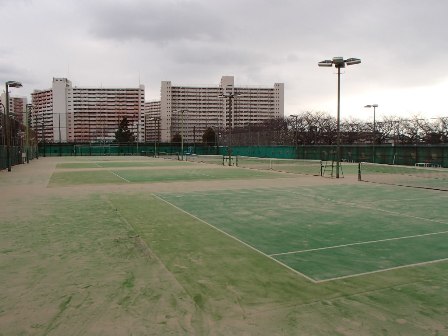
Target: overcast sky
(403, 45)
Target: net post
(359, 171)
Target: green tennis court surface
(312, 255)
(119, 164)
(61, 178)
(418, 177)
(330, 232)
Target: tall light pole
(230, 97)
(156, 139)
(182, 132)
(3, 123)
(295, 117)
(339, 63)
(9, 84)
(374, 129)
(28, 111)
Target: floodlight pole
(156, 139)
(339, 63)
(230, 97)
(230, 130)
(158, 134)
(43, 134)
(374, 129)
(295, 117)
(28, 110)
(182, 136)
(338, 127)
(9, 84)
(3, 123)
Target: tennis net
(212, 159)
(308, 167)
(169, 156)
(417, 177)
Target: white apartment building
(66, 113)
(190, 110)
(152, 121)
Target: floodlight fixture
(13, 84)
(326, 63)
(352, 61)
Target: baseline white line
(383, 270)
(110, 171)
(238, 240)
(359, 243)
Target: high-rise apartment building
(152, 121)
(66, 113)
(190, 110)
(17, 107)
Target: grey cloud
(156, 21)
(12, 72)
(401, 43)
(215, 54)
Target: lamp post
(374, 129)
(339, 63)
(9, 84)
(182, 136)
(230, 97)
(156, 139)
(182, 131)
(3, 123)
(27, 135)
(295, 117)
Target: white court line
(359, 243)
(356, 205)
(238, 240)
(110, 171)
(382, 270)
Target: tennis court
(138, 245)
(330, 232)
(357, 229)
(111, 172)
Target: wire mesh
(418, 177)
(308, 167)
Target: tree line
(319, 128)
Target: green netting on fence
(396, 155)
(17, 155)
(385, 154)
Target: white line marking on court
(119, 176)
(356, 205)
(238, 240)
(359, 243)
(383, 270)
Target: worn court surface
(121, 246)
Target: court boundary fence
(409, 155)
